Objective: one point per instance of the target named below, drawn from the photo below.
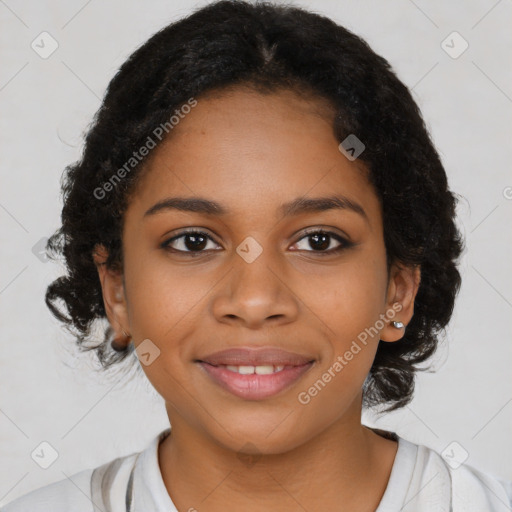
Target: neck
(345, 465)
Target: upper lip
(256, 357)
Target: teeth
(260, 370)
(264, 370)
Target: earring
(120, 347)
(398, 325)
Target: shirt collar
(149, 491)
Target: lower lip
(254, 386)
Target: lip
(254, 386)
(244, 356)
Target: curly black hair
(267, 47)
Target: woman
(263, 219)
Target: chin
(256, 436)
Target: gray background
(49, 393)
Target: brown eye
(189, 241)
(323, 242)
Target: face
(307, 278)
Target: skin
(252, 153)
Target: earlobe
(402, 289)
(113, 298)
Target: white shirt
(420, 481)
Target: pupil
(323, 245)
(198, 242)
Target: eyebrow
(296, 207)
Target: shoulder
(464, 486)
(75, 493)
(69, 494)
(472, 486)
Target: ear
(403, 285)
(113, 296)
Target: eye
(191, 241)
(320, 241)
(196, 241)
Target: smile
(254, 382)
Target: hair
(267, 47)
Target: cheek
(163, 306)
(161, 294)
(164, 303)
(351, 299)
(350, 306)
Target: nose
(256, 294)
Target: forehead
(251, 150)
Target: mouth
(255, 374)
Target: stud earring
(397, 325)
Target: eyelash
(344, 243)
